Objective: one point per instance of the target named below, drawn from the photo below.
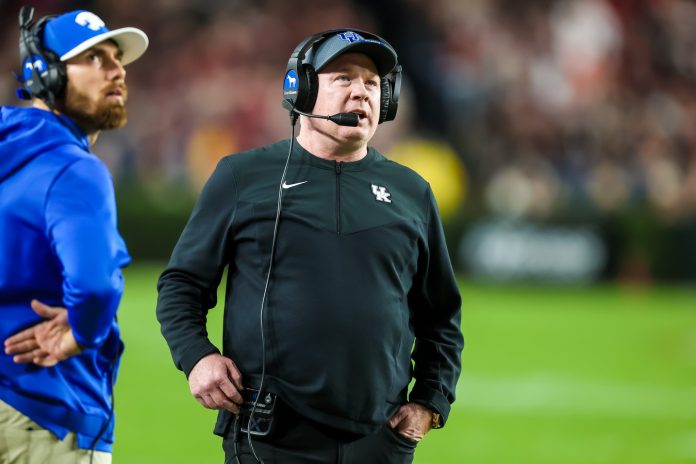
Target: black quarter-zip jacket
(361, 270)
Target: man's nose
(117, 71)
(359, 91)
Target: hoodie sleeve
(81, 225)
(436, 305)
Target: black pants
(296, 440)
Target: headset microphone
(342, 119)
(345, 119)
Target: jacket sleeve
(80, 213)
(436, 306)
(188, 286)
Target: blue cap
(72, 33)
(348, 41)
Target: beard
(93, 116)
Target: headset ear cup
(385, 99)
(312, 88)
(307, 89)
(51, 86)
(392, 82)
(57, 78)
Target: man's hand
(216, 383)
(412, 420)
(46, 343)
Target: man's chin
(113, 116)
(356, 133)
(115, 121)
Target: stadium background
(560, 140)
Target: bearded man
(60, 271)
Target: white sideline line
(558, 395)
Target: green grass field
(552, 375)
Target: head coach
(339, 289)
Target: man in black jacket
(337, 264)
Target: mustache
(122, 88)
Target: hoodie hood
(26, 133)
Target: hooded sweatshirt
(59, 244)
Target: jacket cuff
(195, 353)
(432, 399)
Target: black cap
(348, 41)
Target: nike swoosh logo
(289, 186)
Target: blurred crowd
(574, 106)
(553, 107)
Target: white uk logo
(90, 20)
(381, 193)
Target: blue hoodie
(59, 244)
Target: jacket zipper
(338, 198)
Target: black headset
(48, 78)
(304, 94)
